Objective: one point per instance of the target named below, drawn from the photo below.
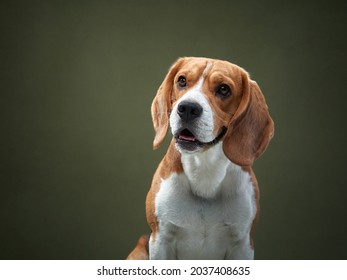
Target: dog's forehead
(226, 68)
(193, 67)
(197, 67)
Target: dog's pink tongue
(187, 137)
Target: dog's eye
(223, 90)
(182, 82)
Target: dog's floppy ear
(251, 128)
(162, 104)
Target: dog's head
(206, 101)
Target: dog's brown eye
(223, 90)
(182, 82)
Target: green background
(77, 81)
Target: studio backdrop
(77, 82)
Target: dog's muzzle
(188, 112)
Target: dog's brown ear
(162, 104)
(251, 128)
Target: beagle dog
(204, 198)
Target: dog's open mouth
(187, 140)
(186, 135)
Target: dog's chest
(209, 223)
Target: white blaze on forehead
(207, 69)
(198, 85)
(197, 95)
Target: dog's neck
(206, 170)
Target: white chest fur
(205, 212)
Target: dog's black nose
(188, 110)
